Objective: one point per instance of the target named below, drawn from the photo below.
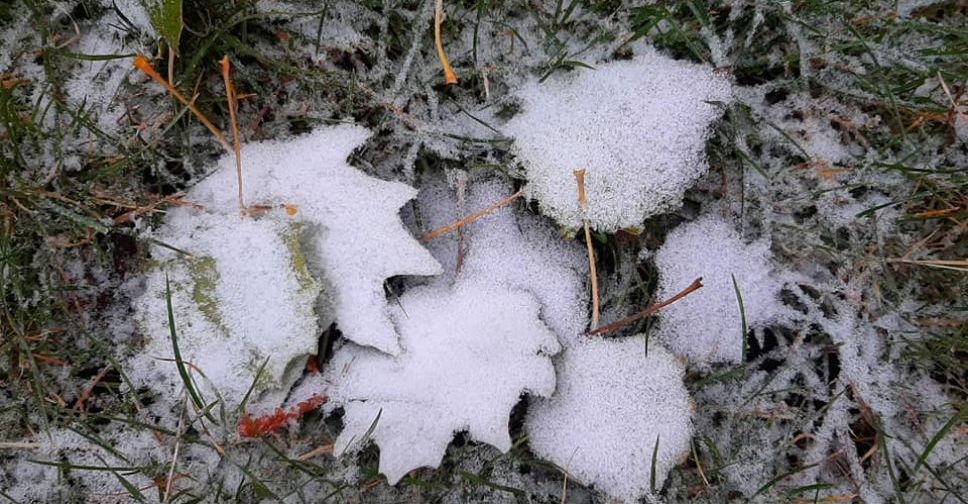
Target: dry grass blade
(141, 63)
(952, 264)
(233, 106)
(695, 285)
(18, 445)
(449, 76)
(582, 202)
(469, 219)
(326, 449)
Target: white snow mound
(468, 355)
(613, 402)
(637, 127)
(706, 325)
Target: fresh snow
(613, 402)
(637, 127)
(469, 352)
(706, 325)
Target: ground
(845, 147)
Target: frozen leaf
(242, 298)
(614, 410)
(707, 326)
(247, 289)
(468, 354)
(356, 238)
(634, 128)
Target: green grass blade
(742, 316)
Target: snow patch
(705, 326)
(613, 402)
(469, 353)
(638, 127)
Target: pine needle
(233, 106)
(469, 219)
(141, 63)
(449, 76)
(695, 285)
(582, 202)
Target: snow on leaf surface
(360, 241)
(706, 326)
(239, 299)
(637, 127)
(469, 352)
(611, 405)
(248, 288)
(511, 247)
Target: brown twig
(695, 285)
(141, 63)
(79, 405)
(582, 202)
(233, 105)
(449, 76)
(326, 449)
(470, 218)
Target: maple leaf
(469, 354)
(247, 288)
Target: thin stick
(233, 105)
(695, 285)
(582, 202)
(449, 76)
(470, 218)
(79, 405)
(142, 64)
(174, 457)
(171, 64)
(326, 449)
(15, 445)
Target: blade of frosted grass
(957, 419)
(179, 363)
(655, 459)
(882, 446)
(248, 393)
(742, 316)
(128, 486)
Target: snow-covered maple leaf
(469, 352)
(358, 241)
(245, 289)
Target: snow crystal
(706, 326)
(360, 241)
(638, 128)
(242, 297)
(613, 402)
(468, 354)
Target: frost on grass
(706, 326)
(638, 127)
(612, 404)
(247, 289)
(357, 239)
(469, 352)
